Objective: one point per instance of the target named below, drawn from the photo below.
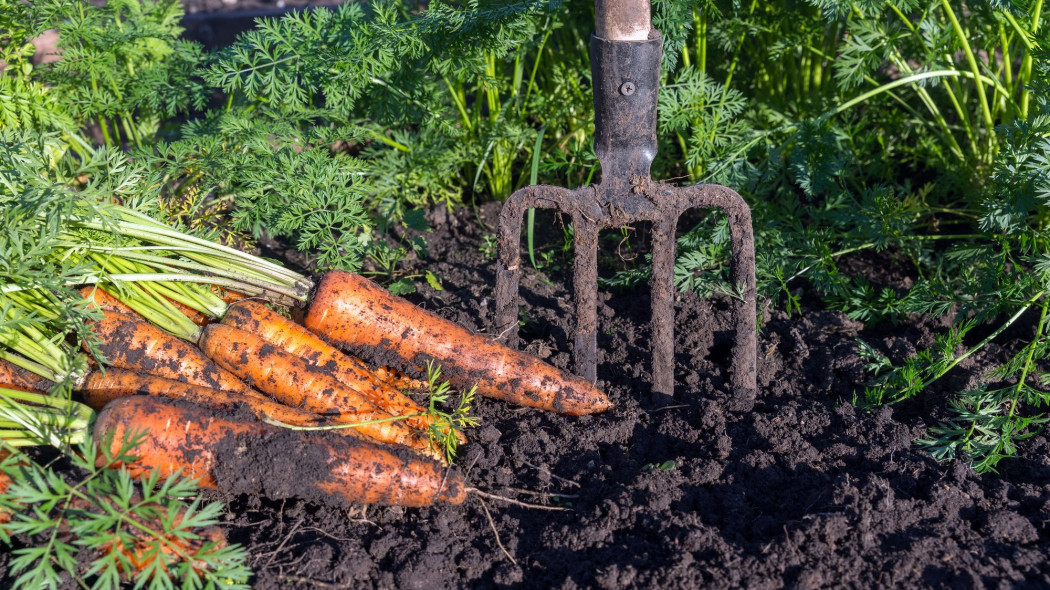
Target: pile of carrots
(255, 375)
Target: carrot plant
(123, 70)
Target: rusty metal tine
(742, 275)
(745, 320)
(585, 295)
(662, 293)
(508, 271)
(508, 238)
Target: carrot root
(14, 377)
(256, 318)
(251, 457)
(99, 389)
(294, 382)
(368, 320)
(129, 342)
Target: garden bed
(801, 489)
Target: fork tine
(585, 294)
(742, 275)
(508, 240)
(662, 293)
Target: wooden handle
(622, 20)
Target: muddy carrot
(354, 312)
(399, 380)
(129, 342)
(254, 317)
(294, 382)
(251, 457)
(98, 389)
(15, 377)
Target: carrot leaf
(447, 423)
(124, 529)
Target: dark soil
(802, 491)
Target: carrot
(294, 382)
(252, 457)
(98, 389)
(354, 312)
(399, 380)
(254, 317)
(15, 377)
(129, 342)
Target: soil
(800, 490)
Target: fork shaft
(622, 20)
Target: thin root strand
(513, 501)
(492, 525)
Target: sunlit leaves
(121, 529)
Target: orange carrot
(294, 382)
(356, 313)
(129, 342)
(254, 317)
(98, 389)
(15, 377)
(399, 380)
(251, 457)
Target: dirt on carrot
(129, 342)
(15, 377)
(254, 317)
(399, 380)
(241, 457)
(98, 389)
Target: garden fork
(625, 68)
